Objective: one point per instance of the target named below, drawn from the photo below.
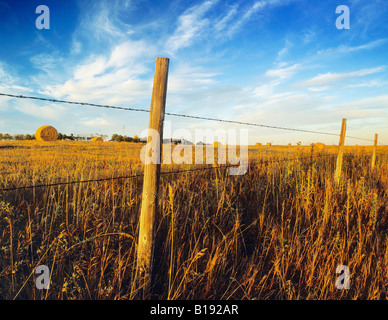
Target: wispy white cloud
(266, 89)
(76, 47)
(130, 53)
(329, 77)
(101, 20)
(188, 78)
(194, 23)
(96, 123)
(223, 22)
(5, 74)
(42, 111)
(368, 17)
(362, 84)
(190, 25)
(379, 102)
(277, 75)
(367, 84)
(114, 76)
(342, 49)
(244, 17)
(319, 89)
(288, 108)
(285, 50)
(10, 81)
(47, 62)
(107, 63)
(369, 111)
(308, 36)
(283, 73)
(91, 69)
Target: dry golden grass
(97, 139)
(277, 232)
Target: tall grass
(277, 232)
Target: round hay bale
(97, 139)
(46, 133)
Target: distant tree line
(7, 136)
(71, 137)
(120, 138)
(61, 136)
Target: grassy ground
(277, 232)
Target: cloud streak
(343, 49)
(331, 78)
(225, 62)
(190, 25)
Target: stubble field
(277, 232)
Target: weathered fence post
(151, 178)
(374, 152)
(216, 145)
(338, 168)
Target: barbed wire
(262, 125)
(272, 153)
(132, 176)
(265, 162)
(168, 172)
(126, 236)
(179, 115)
(55, 184)
(212, 167)
(74, 102)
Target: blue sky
(273, 62)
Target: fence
(152, 171)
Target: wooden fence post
(374, 152)
(338, 168)
(151, 179)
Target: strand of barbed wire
(124, 236)
(262, 162)
(211, 167)
(144, 110)
(162, 173)
(179, 115)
